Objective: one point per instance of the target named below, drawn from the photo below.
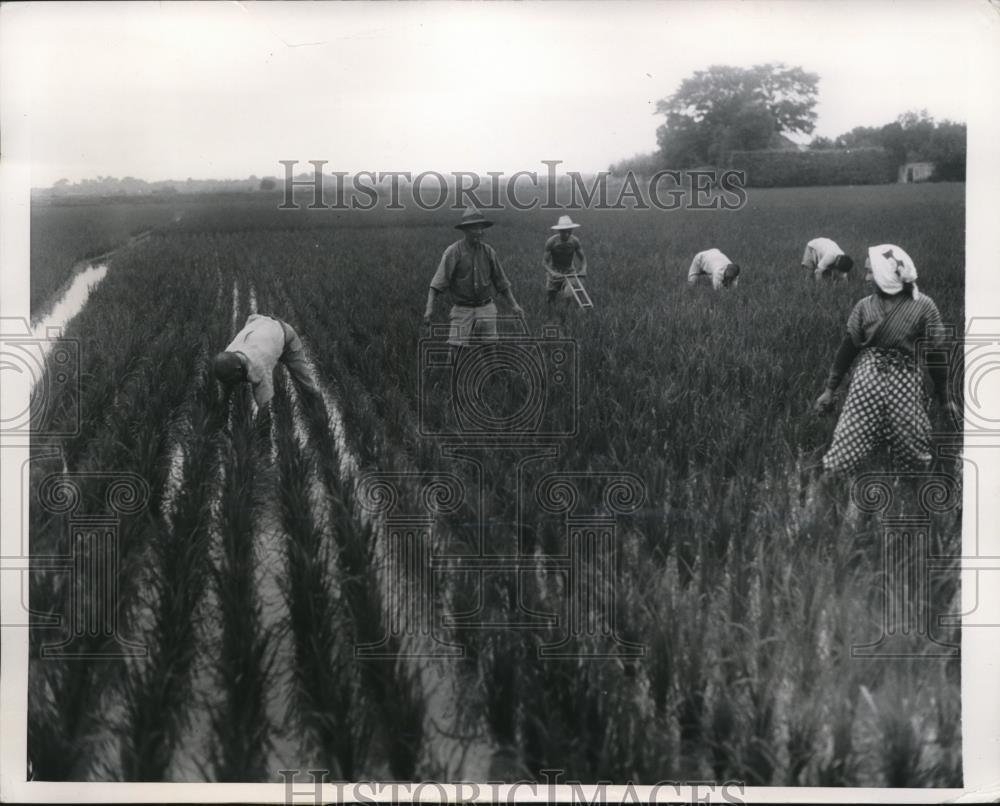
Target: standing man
(562, 250)
(471, 271)
(826, 260)
(252, 356)
(712, 263)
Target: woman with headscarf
(885, 401)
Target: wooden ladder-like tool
(579, 292)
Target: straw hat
(565, 222)
(473, 216)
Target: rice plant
(746, 578)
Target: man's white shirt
(262, 341)
(820, 253)
(711, 262)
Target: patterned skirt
(885, 405)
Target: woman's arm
(842, 361)
(848, 350)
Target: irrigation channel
(70, 304)
(253, 555)
(460, 758)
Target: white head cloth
(892, 267)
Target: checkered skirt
(885, 405)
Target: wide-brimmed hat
(472, 216)
(565, 222)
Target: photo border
(980, 649)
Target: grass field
(252, 572)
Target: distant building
(916, 172)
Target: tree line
(724, 109)
(913, 136)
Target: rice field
(254, 570)
(64, 234)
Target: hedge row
(855, 166)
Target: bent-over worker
(714, 264)
(252, 356)
(826, 260)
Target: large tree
(724, 108)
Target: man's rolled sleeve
(294, 359)
(695, 270)
(263, 390)
(809, 259)
(442, 277)
(826, 261)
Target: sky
(227, 89)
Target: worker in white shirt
(826, 260)
(715, 265)
(252, 356)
